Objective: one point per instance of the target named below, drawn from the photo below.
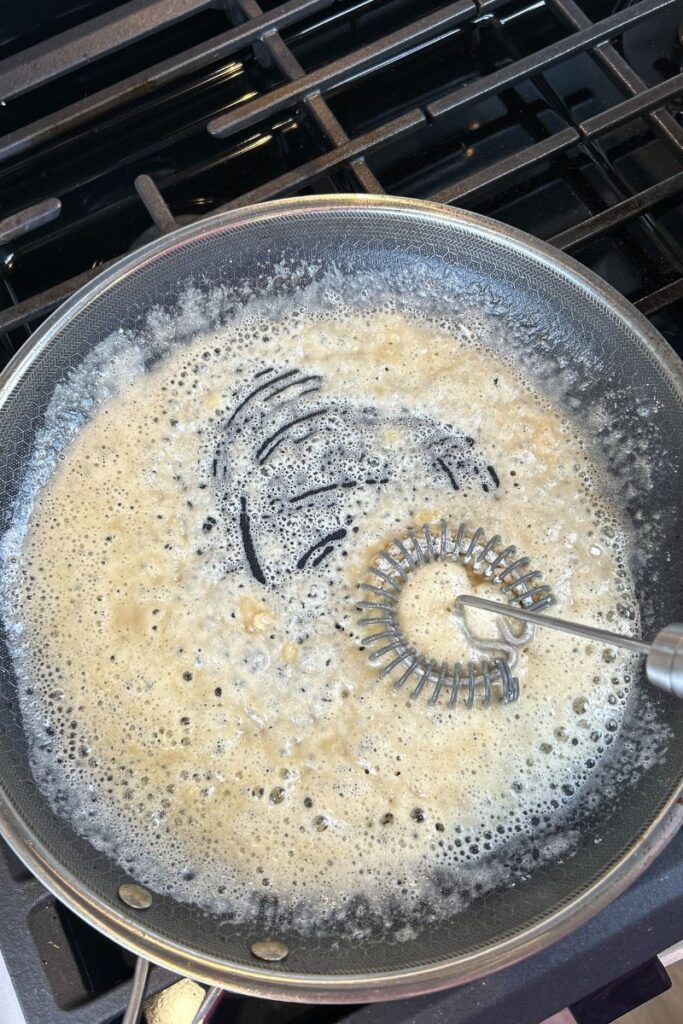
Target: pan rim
(368, 987)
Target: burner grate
(550, 116)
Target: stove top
(119, 122)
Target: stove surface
(121, 121)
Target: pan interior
(578, 351)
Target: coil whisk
(394, 567)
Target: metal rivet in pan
(269, 949)
(135, 896)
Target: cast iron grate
(560, 117)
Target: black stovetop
(120, 121)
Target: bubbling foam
(184, 580)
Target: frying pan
(626, 387)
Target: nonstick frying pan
(627, 390)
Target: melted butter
(428, 617)
(231, 732)
(256, 618)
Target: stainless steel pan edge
(359, 987)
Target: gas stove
(120, 122)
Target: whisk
(664, 656)
(394, 567)
(526, 597)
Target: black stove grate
(559, 117)
(119, 122)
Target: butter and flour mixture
(184, 590)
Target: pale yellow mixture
(228, 731)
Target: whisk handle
(664, 664)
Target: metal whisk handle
(664, 665)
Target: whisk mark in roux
(184, 588)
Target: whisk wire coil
(395, 566)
